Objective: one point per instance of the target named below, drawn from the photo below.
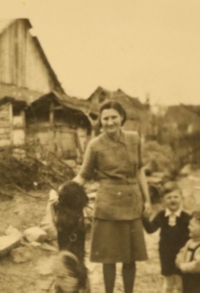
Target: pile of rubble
(22, 245)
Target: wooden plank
(4, 142)
(3, 118)
(4, 125)
(5, 136)
(18, 136)
(22, 114)
(37, 125)
(4, 111)
(79, 146)
(66, 145)
(4, 130)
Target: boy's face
(194, 228)
(172, 200)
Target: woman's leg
(128, 274)
(178, 287)
(109, 273)
(168, 284)
(172, 284)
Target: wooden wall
(21, 61)
(12, 127)
(5, 125)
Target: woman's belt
(118, 200)
(128, 180)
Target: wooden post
(52, 129)
(10, 111)
(51, 115)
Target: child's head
(72, 196)
(194, 225)
(173, 197)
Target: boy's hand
(147, 209)
(178, 261)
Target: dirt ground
(34, 276)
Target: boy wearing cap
(173, 223)
(188, 259)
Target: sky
(144, 47)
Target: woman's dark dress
(117, 233)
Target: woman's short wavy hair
(113, 105)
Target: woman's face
(111, 121)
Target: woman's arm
(151, 226)
(145, 192)
(86, 172)
(79, 179)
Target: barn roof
(75, 103)
(129, 103)
(118, 95)
(17, 104)
(64, 100)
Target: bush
(159, 158)
(22, 168)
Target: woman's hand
(147, 209)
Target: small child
(173, 224)
(188, 259)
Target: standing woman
(114, 158)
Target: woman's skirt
(117, 241)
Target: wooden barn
(31, 95)
(22, 60)
(58, 123)
(138, 114)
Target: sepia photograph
(99, 146)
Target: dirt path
(35, 276)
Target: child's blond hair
(171, 186)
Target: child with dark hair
(173, 223)
(69, 219)
(188, 259)
(69, 269)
